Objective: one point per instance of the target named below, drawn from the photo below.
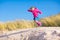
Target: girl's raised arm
(39, 12)
(30, 10)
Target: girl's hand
(30, 10)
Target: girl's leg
(38, 23)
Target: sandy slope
(39, 33)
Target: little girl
(35, 12)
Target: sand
(38, 33)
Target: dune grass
(19, 24)
(53, 21)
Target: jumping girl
(35, 12)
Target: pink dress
(35, 12)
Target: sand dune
(39, 33)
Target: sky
(17, 9)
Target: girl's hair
(32, 7)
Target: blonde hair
(32, 7)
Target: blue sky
(17, 9)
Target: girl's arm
(39, 12)
(30, 10)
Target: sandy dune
(39, 33)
